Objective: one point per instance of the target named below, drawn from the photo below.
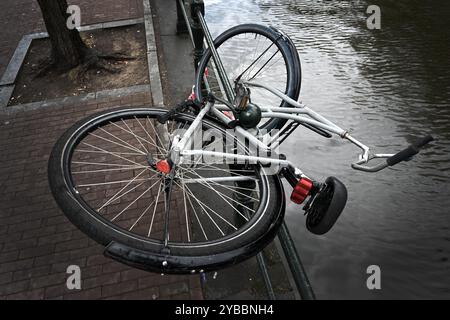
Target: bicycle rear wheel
(102, 176)
(256, 53)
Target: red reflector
(229, 114)
(163, 166)
(301, 191)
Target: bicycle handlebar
(316, 121)
(391, 160)
(409, 152)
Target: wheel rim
(132, 199)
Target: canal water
(388, 86)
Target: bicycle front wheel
(102, 175)
(252, 52)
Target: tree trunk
(68, 49)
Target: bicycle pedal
(301, 191)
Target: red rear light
(163, 166)
(301, 191)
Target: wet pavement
(242, 281)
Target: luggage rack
(194, 24)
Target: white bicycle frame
(180, 143)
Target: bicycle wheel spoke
(126, 146)
(205, 168)
(138, 139)
(167, 198)
(242, 188)
(255, 51)
(116, 155)
(204, 210)
(109, 183)
(274, 63)
(135, 136)
(211, 210)
(154, 210)
(116, 197)
(196, 216)
(150, 137)
(121, 153)
(108, 164)
(128, 206)
(256, 61)
(221, 179)
(157, 135)
(106, 170)
(264, 65)
(231, 188)
(223, 196)
(216, 168)
(142, 215)
(186, 212)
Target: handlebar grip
(423, 141)
(409, 152)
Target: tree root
(45, 66)
(116, 57)
(97, 61)
(92, 60)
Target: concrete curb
(104, 94)
(152, 56)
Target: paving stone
(37, 242)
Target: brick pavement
(37, 242)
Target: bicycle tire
(182, 258)
(289, 53)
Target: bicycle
(187, 190)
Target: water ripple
(390, 86)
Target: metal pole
(299, 274)
(217, 61)
(242, 198)
(295, 264)
(266, 277)
(197, 8)
(181, 21)
(182, 7)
